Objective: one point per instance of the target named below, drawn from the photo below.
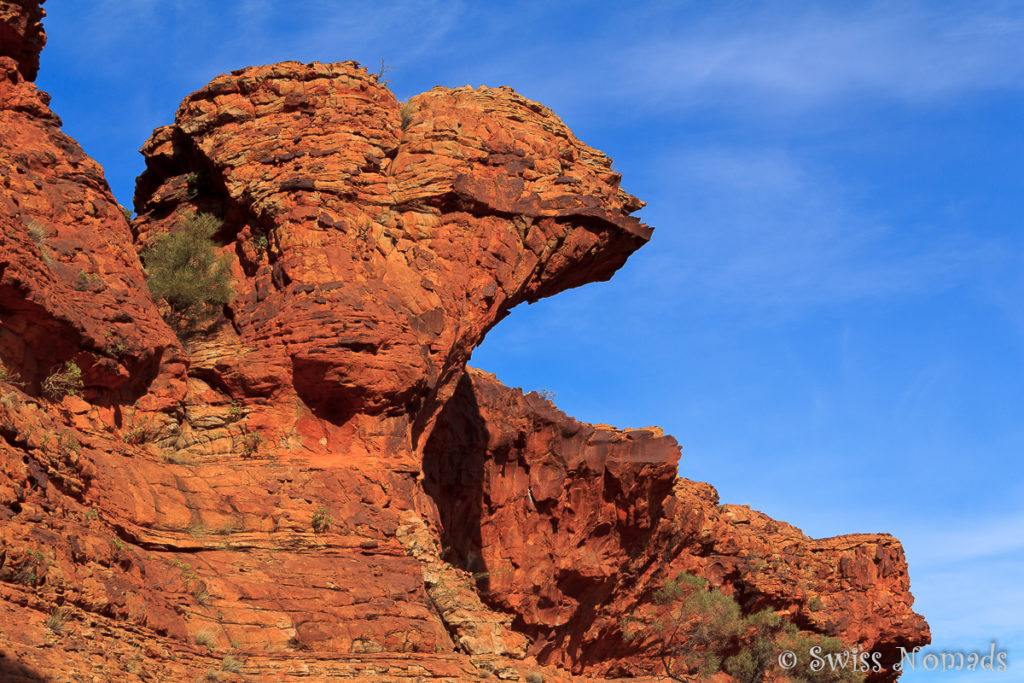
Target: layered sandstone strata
(317, 486)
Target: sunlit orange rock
(316, 485)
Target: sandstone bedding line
(317, 486)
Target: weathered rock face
(21, 34)
(571, 526)
(546, 511)
(854, 587)
(71, 285)
(374, 250)
(320, 487)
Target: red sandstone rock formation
(571, 526)
(318, 487)
(71, 285)
(21, 34)
(374, 254)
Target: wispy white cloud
(243, 32)
(767, 227)
(772, 57)
(927, 382)
(777, 57)
(984, 538)
(970, 605)
(814, 55)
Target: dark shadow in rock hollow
(453, 468)
(13, 671)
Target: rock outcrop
(21, 35)
(71, 284)
(376, 243)
(316, 485)
(572, 526)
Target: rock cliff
(317, 485)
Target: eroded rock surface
(374, 252)
(71, 284)
(21, 34)
(318, 487)
(572, 526)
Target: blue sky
(830, 315)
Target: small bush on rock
(321, 520)
(57, 620)
(702, 630)
(186, 272)
(204, 638)
(232, 664)
(66, 381)
(407, 112)
(37, 233)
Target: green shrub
(185, 271)
(673, 589)
(407, 111)
(321, 520)
(88, 282)
(113, 344)
(251, 443)
(801, 643)
(760, 651)
(65, 381)
(718, 616)
(704, 630)
(742, 666)
(193, 183)
(34, 566)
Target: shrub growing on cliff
(407, 112)
(251, 442)
(37, 233)
(702, 630)
(65, 381)
(185, 271)
(321, 520)
(205, 638)
(57, 620)
(232, 664)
